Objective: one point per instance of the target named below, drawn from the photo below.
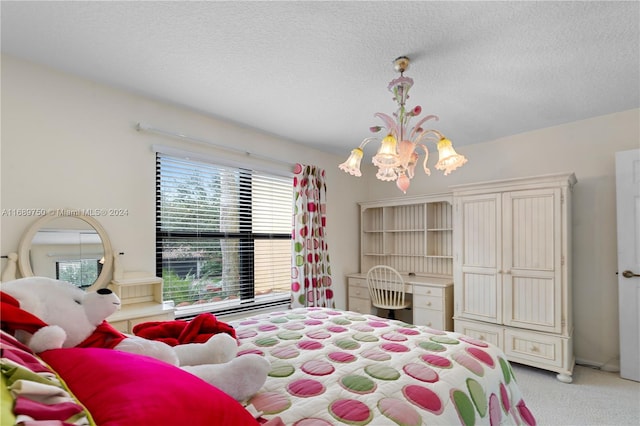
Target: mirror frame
(24, 262)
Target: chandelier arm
(435, 135)
(389, 122)
(424, 163)
(419, 124)
(366, 141)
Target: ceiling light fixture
(398, 155)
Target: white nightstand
(141, 298)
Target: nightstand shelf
(141, 298)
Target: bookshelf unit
(410, 234)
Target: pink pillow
(121, 389)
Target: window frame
(248, 300)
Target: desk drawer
(358, 282)
(428, 302)
(428, 317)
(357, 291)
(423, 290)
(362, 306)
(358, 288)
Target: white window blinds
(223, 235)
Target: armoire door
(532, 259)
(478, 289)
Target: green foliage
(192, 289)
(82, 273)
(176, 288)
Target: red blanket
(104, 336)
(14, 318)
(179, 332)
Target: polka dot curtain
(310, 270)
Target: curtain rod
(146, 128)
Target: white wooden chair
(386, 289)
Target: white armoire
(512, 269)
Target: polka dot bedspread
(331, 367)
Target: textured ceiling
(316, 72)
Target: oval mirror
(69, 248)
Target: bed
(339, 367)
(328, 367)
(105, 387)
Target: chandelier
(397, 156)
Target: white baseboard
(612, 365)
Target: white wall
(70, 143)
(66, 142)
(586, 148)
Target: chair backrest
(386, 287)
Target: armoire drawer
(481, 331)
(529, 346)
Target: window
(223, 236)
(81, 272)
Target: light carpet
(594, 398)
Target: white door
(628, 215)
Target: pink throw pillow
(123, 389)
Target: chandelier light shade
(398, 154)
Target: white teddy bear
(73, 316)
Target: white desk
(432, 299)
